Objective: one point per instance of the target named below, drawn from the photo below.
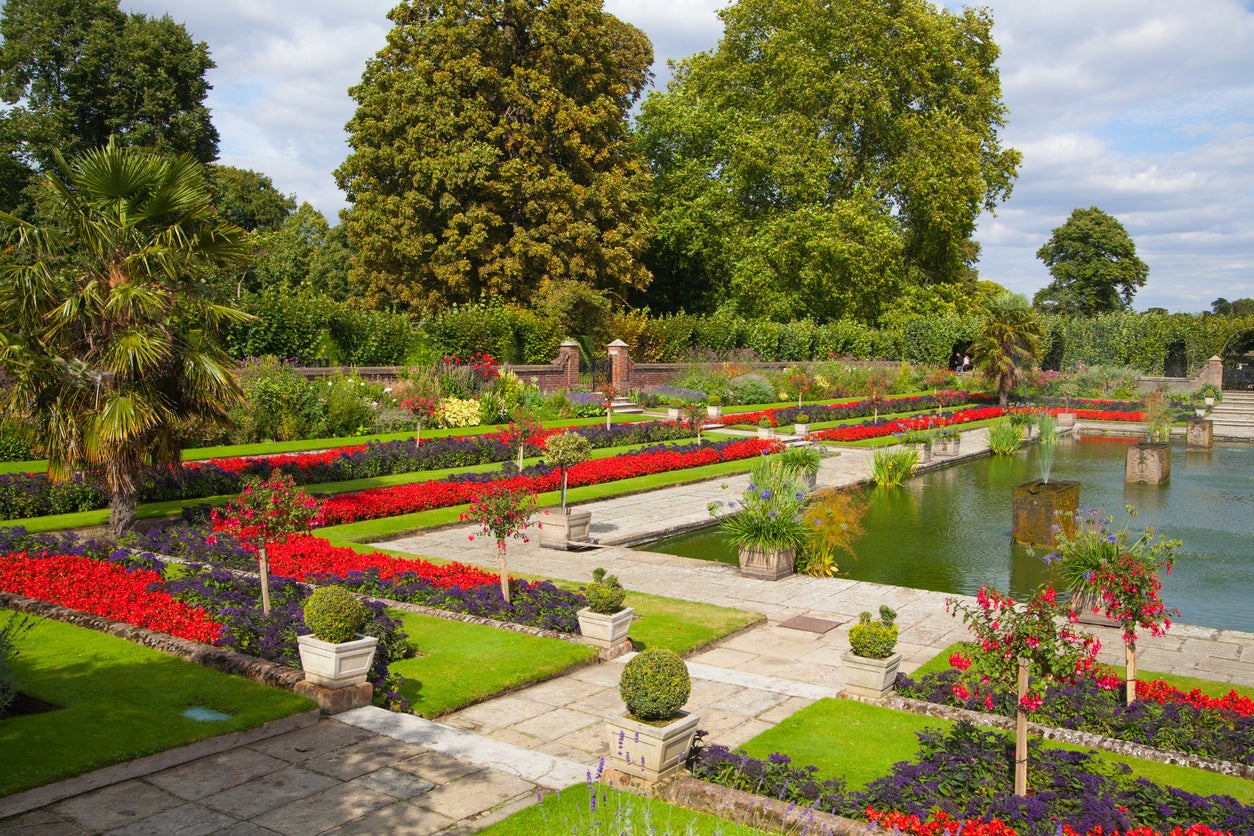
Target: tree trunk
(563, 489)
(1130, 654)
(263, 564)
(418, 436)
(121, 512)
(500, 562)
(1021, 732)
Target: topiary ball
(334, 614)
(655, 684)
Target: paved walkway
(371, 771)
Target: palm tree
(1009, 342)
(105, 330)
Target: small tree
(566, 450)
(268, 511)
(522, 431)
(422, 409)
(1021, 648)
(1008, 344)
(1094, 264)
(503, 513)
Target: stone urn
(714, 411)
(872, 678)
(766, 564)
(605, 630)
(1039, 506)
(801, 429)
(565, 531)
(650, 752)
(1148, 462)
(336, 665)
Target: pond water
(949, 530)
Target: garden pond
(949, 529)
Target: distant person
(966, 363)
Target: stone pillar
(620, 366)
(1200, 435)
(1038, 507)
(568, 361)
(1148, 462)
(1212, 373)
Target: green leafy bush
(750, 389)
(874, 639)
(16, 441)
(893, 465)
(605, 594)
(334, 614)
(1004, 437)
(655, 684)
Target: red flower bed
(1102, 414)
(423, 496)
(1162, 693)
(940, 824)
(236, 464)
(857, 433)
(303, 557)
(106, 589)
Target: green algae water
(949, 529)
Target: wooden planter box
(766, 564)
(650, 752)
(565, 531)
(1148, 462)
(1038, 507)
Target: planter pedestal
(336, 665)
(766, 432)
(871, 678)
(650, 752)
(605, 631)
(565, 531)
(1148, 462)
(766, 564)
(1200, 434)
(1038, 507)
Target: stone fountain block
(1200, 435)
(1038, 507)
(1148, 462)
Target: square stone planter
(565, 531)
(766, 432)
(1066, 420)
(672, 414)
(766, 564)
(871, 678)
(1200, 434)
(944, 448)
(801, 429)
(605, 631)
(1039, 506)
(336, 665)
(1148, 462)
(715, 412)
(650, 752)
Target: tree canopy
(76, 72)
(1094, 264)
(826, 153)
(490, 153)
(248, 198)
(1008, 345)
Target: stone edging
(756, 810)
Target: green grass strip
(462, 664)
(118, 701)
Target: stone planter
(766, 564)
(766, 432)
(872, 678)
(1038, 506)
(1148, 462)
(605, 630)
(650, 752)
(715, 412)
(672, 413)
(564, 531)
(944, 448)
(1210, 401)
(801, 429)
(1066, 420)
(924, 451)
(1200, 434)
(336, 665)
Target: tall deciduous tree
(826, 152)
(103, 327)
(79, 71)
(1009, 343)
(490, 152)
(1093, 261)
(248, 198)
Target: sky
(1143, 108)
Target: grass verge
(119, 701)
(462, 663)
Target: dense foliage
(1094, 264)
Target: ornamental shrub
(334, 614)
(749, 389)
(605, 594)
(874, 639)
(655, 684)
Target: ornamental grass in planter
(336, 654)
(871, 662)
(652, 739)
(766, 527)
(605, 622)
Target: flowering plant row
(304, 558)
(879, 430)
(819, 413)
(133, 596)
(941, 824)
(1160, 692)
(423, 496)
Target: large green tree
(248, 198)
(76, 72)
(490, 153)
(110, 344)
(1094, 264)
(825, 153)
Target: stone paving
(371, 771)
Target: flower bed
(967, 774)
(900, 425)
(940, 824)
(820, 413)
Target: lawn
(461, 664)
(119, 701)
(860, 742)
